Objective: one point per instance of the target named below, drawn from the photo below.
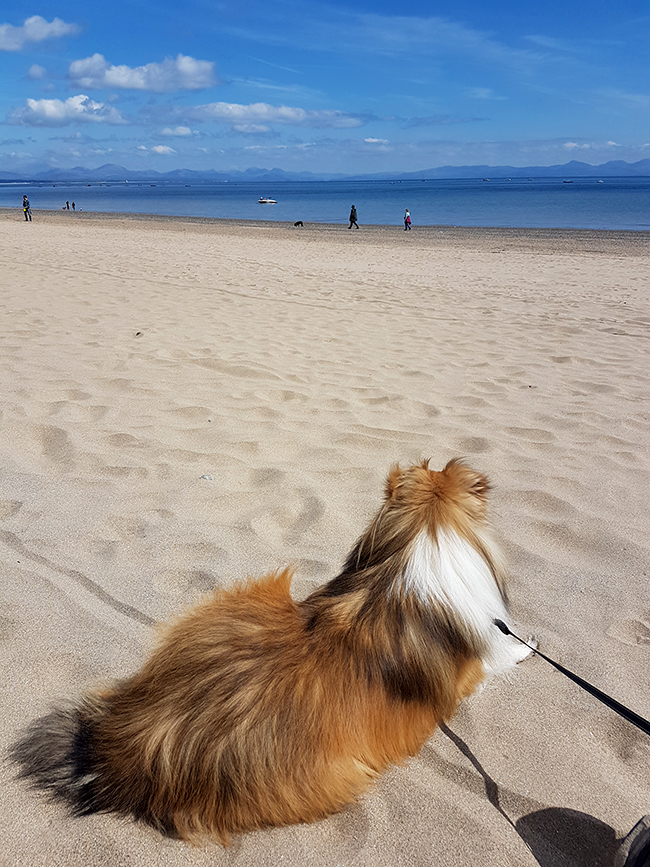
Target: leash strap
(616, 706)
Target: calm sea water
(616, 203)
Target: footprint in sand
(123, 472)
(7, 627)
(393, 400)
(202, 580)
(8, 508)
(125, 441)
(475, 445)
(312, 510)
(471, 400)
(313, 568)
(129, 528)
(266, 476)
(532, 434)
(595, 387)
(185, 582)
(543, 504)
(634, 631)
(285, 525)
(58, 447)
(107, 549)
(192, 415)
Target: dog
(298, 223)
(258, 711)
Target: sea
(572, 203)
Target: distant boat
(264, 200)
(486, 179)
(567, 182)
(600, 182)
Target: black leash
(616, 706)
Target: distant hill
(112, 172)
(572, 169)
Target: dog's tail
(56, 754)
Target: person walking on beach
(353, 218)
(73, 206)
(27, 211)
(407, 221)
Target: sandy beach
(187, 402)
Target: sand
(188, 402)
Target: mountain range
(112, 172)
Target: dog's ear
(393, 480)
(470, 481)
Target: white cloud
(165, 150)
(263, 113)
(343, 31)
(180, 131)
(250, 127)
(183, 73)
(34, 29)
(266, 147)
(626, 100)
(57, 112)
(552, 43)
(36, 72)
(572, 145)
(376, 140)
(441, 120)
(482, 93)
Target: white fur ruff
(453, 574)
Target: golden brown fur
(256, 710)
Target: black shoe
(634, 850)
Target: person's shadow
(556, 837)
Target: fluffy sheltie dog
(256, 710)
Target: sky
(304, 85)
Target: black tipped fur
(55, 756)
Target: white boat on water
(264, 200)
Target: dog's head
(450, 498)
(419, 500)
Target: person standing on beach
(27, 211)
(73, 206)
(353, 218)
(407, 221)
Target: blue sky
(322, 86)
